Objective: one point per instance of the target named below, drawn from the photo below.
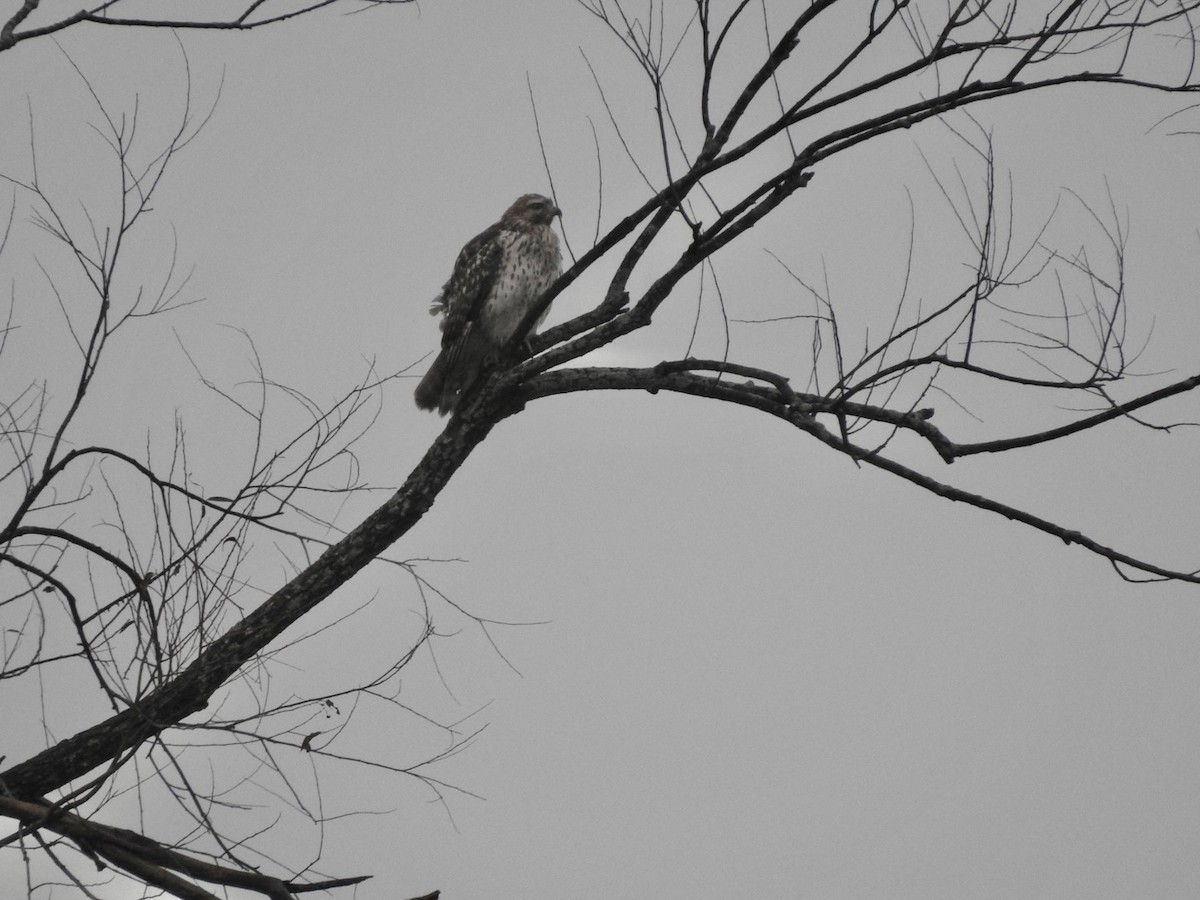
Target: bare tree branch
(102, 14)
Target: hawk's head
(532, 209)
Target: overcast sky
(761, 671)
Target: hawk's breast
(530, 262)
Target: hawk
(497, 278)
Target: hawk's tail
(445, 382)
(429, 393)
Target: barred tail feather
(429, 392)
(452, 373)
(465, 362)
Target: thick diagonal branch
(191, 691)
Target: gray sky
(762, 672)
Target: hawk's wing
(470, 284)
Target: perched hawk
(497, 278)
